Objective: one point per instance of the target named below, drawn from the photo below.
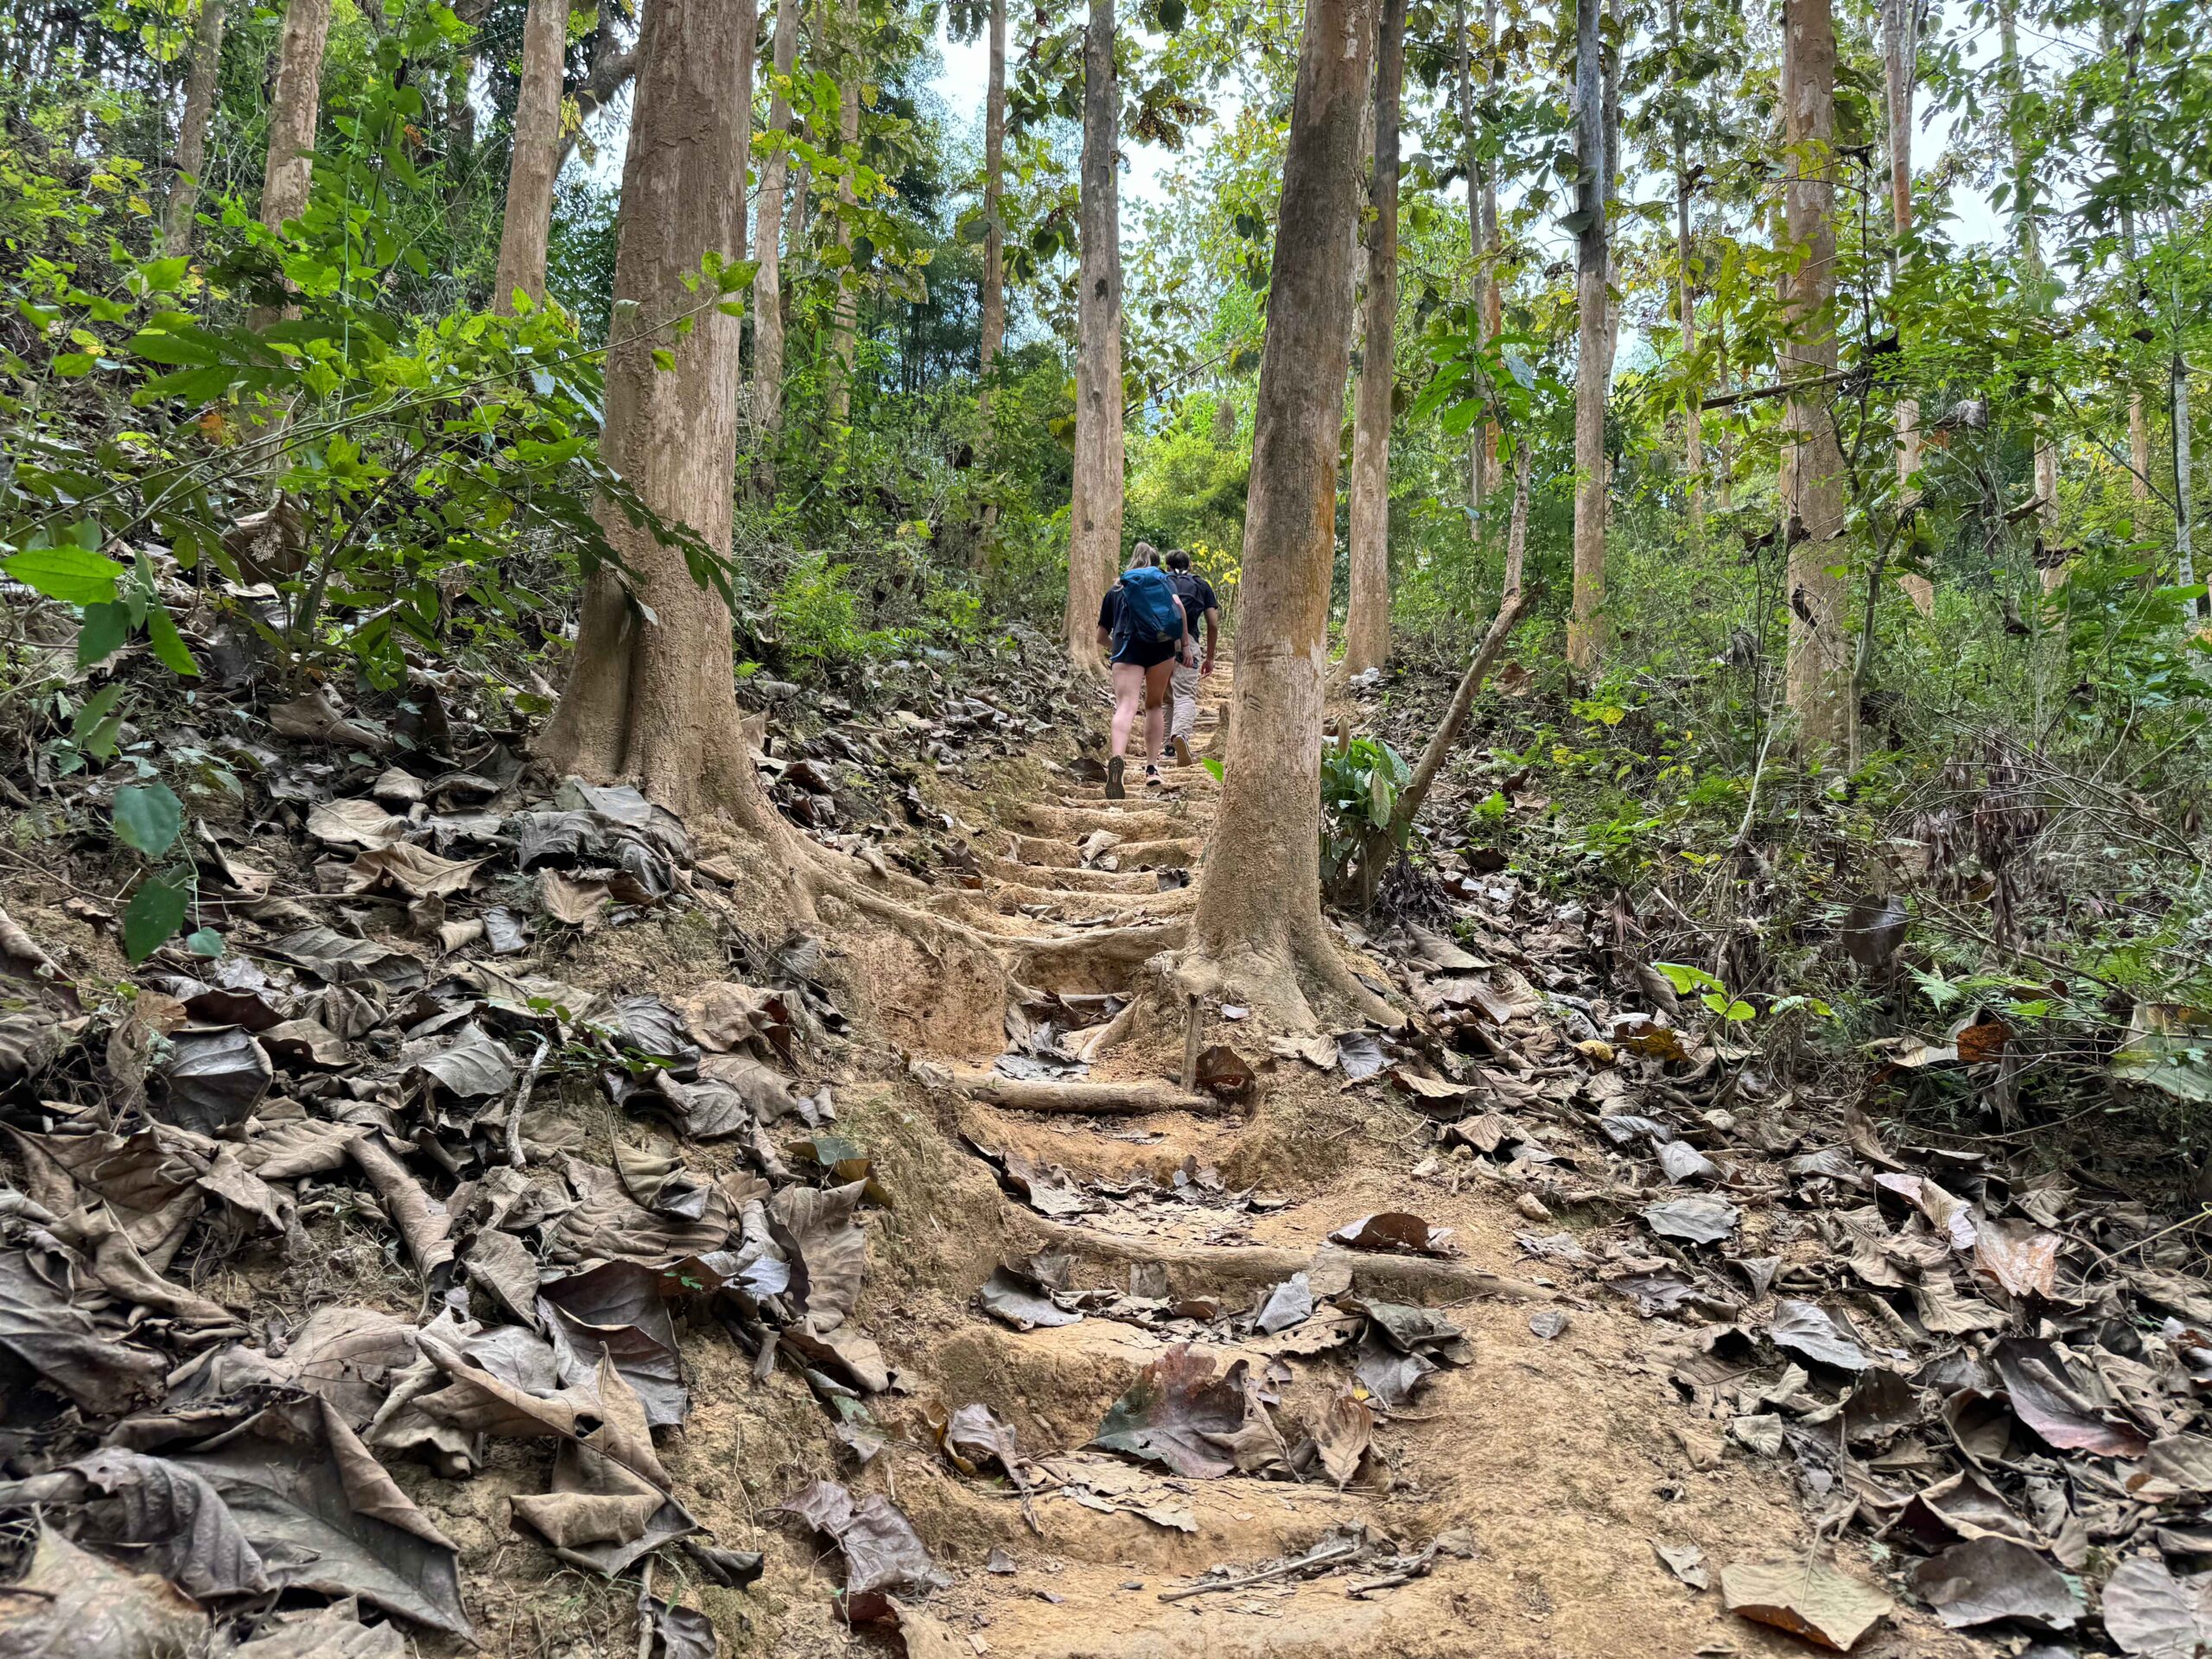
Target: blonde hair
(1144, 555)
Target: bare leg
(1155, 709)
(1128, 683)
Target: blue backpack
(1149, 613)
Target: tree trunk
(994, 298)
(844, 316)
(2046, 452)
(1586, 621)
(768, 241)
(1095, 518)
(655, 700)
(1257, 929)
(1898, 52)
(1463, 101)
(2184, 512)
(1819, 677)
(2138, 418)
(528, 222)
(292, 106)
(1692, 417)
(1367, 623)
(200, 82)
(1493, 250)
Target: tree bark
(289, 169)
(461, 79)
(1585, 621)
(994, 297)
(768, 240)
(1819, 673)
(655, 700)
(2046, 452)
(528, 222)
(844, 316)
(1692, 417)
(1898, 52)
(1257, 928)
(2184, 511)
(200, 82)
(1095, 518)
(1367, 622)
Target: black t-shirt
(1196, 592)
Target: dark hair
(1179, 560)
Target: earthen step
(1079, 1095)
(1238, 1270)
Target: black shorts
(1145, 653)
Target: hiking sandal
(1115, 791)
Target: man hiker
(1197, 596)
(1141, 624)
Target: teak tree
(652, 693)
(767, 279)
(1367, 624)
(1593, 350)
(1094, 513)
(527, 223)
(1258, 930)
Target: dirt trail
(1555, 1463)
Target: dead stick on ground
(1192, 1025)
(1288, 1569)
(646, 1612)
(522, 1104)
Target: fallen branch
(1303, 1565)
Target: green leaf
(72, 365)
(148, 817)
(1683, 978)
(664, 359)
(153, 914)
(206, 942)
(1213, 766)
(71, 575)
(106, 627)
(169, 645)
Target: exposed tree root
(1040, 1095)
(1297, 987)
(1070, 879)
(1098, 815)
(1169, 853)
(1194, 1269)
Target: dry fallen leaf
(1814, 1598)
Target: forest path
(1555, 1463)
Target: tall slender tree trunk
(1095, 518)
(1692, 417)
(1463, 104)
(1899, 19)
(653, 700)
(2139, 417)
(1725, 483)
(2184, 508)
(1257, 930)
(844, 316)
(200, 77)
(1585, 621)
(1493, 250)
(289, 170)
(768, 243)
(1819, 673)
(1367, 623)
(994, 298)
(2046, 452)
(461, 79)
(527, 224)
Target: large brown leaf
(813, 1226)
(615, 1311)
(1812, 1599)
(2061, 1403)
(1177, 1413)
(71, 1605)
(323, 1515)
(1987, 1579)
(42, 1325)
(2148, 1611)
(173, 1516)
(881, 1549)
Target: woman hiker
(1141, 626)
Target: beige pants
(1183, 701)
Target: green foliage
(1360, 782)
